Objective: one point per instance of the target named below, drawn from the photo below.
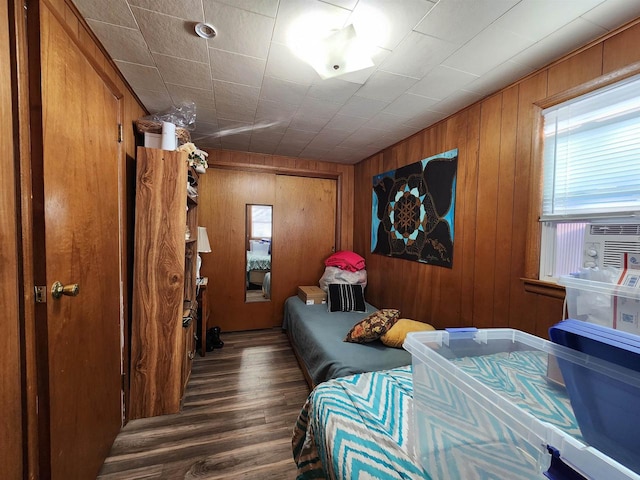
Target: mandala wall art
(413, 210)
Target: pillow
(394, 337)
(372, 327)
(343, 297)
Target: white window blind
(592, 154)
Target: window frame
(531, 280)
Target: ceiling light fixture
(338, 53)
(205, 30)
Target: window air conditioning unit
(604, 243)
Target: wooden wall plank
(505, 214)
(11, 420)
(622, 49)
(575, 70)
(487, 205)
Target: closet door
(79, 351)
(304, 229)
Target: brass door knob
(58, 290)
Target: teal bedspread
(361, 426)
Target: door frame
(28, 160)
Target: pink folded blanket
(346, 260)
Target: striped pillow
(343, 297)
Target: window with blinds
(591, 169)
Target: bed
(359, 426)
(317, 336)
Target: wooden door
(79, 364)
(304, 231)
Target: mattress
(258, 261)
(360, 426)
(318, 335)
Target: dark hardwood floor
(240, 407)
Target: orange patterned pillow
(373, 327)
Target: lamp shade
(203, 240)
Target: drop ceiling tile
(328, 138)
(348, 4)
(385, 86)
(277, 90)
(142, 77)
(345, 123)
(266, 148)
(498, 78)
(202, 98)
(233, 67)
(266, 136)
(387, 23)
(263, 7)
(386, 121)
(409, 105)
(417, 55)
(492, 47)
(613, 13)
(304, 16)
(154, 101)
(204, 129)
(321, 108)
(441, 82)
(207, 142)
(425, 119)
(288, 150)
(456, 102)
(308, 122)
(186, 9)
(236, 142)
(239, 31)
(563, 40)
(283, 64)
(333, 90)
(297, 137)
(535, 19)
(363, 137)
(208, 115)
(178, 71)
(362, 107)
(458, 21)
(118, 12)
(122, 43)
(275, 112)
(237, 102)
(314, 153)
(170, 35)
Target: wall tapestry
(413, 210)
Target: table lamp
(203, 247)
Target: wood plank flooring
(240, 407)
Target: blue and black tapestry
(413, 210)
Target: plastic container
(488, 404)
(606, 304)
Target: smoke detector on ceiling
(205, 30)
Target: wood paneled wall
(498, 174)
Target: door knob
(58, 290)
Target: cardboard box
(312, 295)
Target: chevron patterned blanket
(360, 426)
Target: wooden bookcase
(164, 282)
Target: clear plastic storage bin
(496, 404)
(606, 304)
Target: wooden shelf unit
(164, 284)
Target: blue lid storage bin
(488, 407)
